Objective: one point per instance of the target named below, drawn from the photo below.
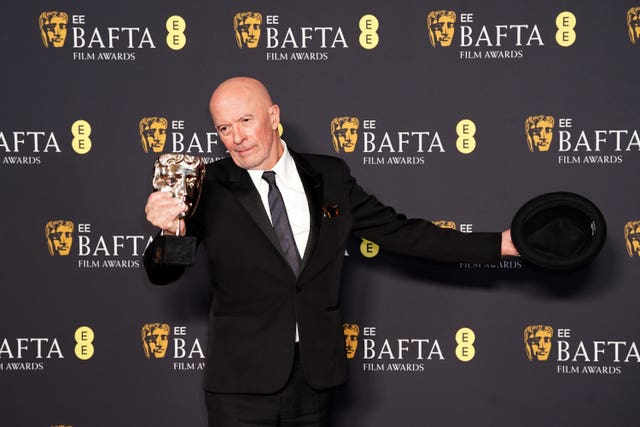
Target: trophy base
(175, 250)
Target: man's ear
(274, 116)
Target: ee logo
(369, 249)
(465, 351)
(81, 130)
(466, 130)
(84, 338)
(369, 25)
(176, 39)
(566, 22)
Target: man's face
(351, 342)
(247, 126)
(443, 30)
(249, 31)
(540, 135)
(347, 136)
(633, 240)
(540, 345)
(56, 31)
(61, 239)
(155, 136)
(157, 341)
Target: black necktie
(280, 222)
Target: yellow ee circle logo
(465, 351)
(84, 337)
(369, 25)
(566, 22)
(176, 26)
(369, 249)
(81, 130)
(466, 130)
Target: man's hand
(507, 248)
(162, 211)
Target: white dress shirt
(295, 199)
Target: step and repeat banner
(456, 111)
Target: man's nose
(238, 134)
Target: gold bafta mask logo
(351, 332)
(53, 28)
(344, 133)
(247, 26)
(445, 224)
(539, 130)
(59, 235)
(632, 238)
(537, 342)
(155, 340)
(633, 24)
(153, 133)
(441, 27)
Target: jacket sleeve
(415, 237)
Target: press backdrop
(440, 134)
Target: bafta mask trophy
(182, 176)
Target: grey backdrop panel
(404, 85)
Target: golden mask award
(182, 176)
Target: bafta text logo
(53, 28)
(633, 24)
(632, 237)
(155, 340)
(59, 235)
(153, 133)
(344, 133)
(537, 342)
(441, 27)
(539, 130)
(247, 27)
(445, 224)
(351, 332)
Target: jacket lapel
(242, 187)
(312, 183)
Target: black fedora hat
(558, 231)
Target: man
(273, 313)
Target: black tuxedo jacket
(258, 299)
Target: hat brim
(558, 231)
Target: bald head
(247, 122)
(239, 88)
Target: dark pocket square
(330, 211)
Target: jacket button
(298, 289)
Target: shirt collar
(284, 168)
